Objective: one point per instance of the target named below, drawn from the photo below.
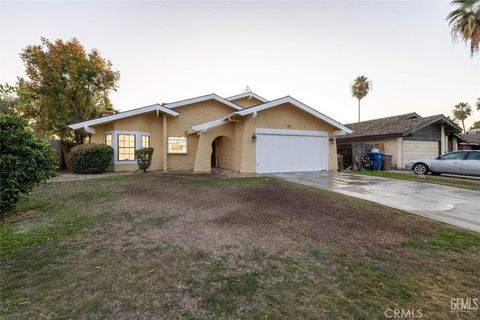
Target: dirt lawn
(172, 246)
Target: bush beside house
(25, 161)
(90, 158)
(144, 158)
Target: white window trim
(138, 144)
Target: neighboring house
(470, 140)
(244, 133)
(405, 137)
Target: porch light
(254, 137)
(331, 140)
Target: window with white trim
(126, 147)
(145, 141)
(109, 140)
(177, 145)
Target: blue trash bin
(377, 160)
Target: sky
(169, 51)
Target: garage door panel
(291, 153)
(415, 149)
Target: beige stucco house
(245, 133)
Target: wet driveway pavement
(459, 207)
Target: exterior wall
(247, 102)
(225, 152)
(148, 123)
(189, 116)
(390, 145)
(399, 161)
(287, 117)
(204, 150)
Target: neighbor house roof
(470, 139)
(274, 103)
(247, 95)
(400, 125)
(164, 108)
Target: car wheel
(420, 168)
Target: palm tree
(461, 112)
(478, 104)
(465, 23)
(360, 88)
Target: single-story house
(245, 133)
(469, 140)
(405, 137)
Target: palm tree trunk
(358, 110)
(463, 125)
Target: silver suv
(457, 162)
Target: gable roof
(165, 108)
(298, 104)
(247, 95)
(154, 107)
(470, 139)
(274, 103)
(400, 125)
(207, 97)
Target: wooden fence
(57, 145)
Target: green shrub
(25, 161)
(144, 158)
(90, 158)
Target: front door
(213, 160)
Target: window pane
(126, 147)
(453, 156)
(145, 142)
(177, 145)
(473, 156)
(108, 140)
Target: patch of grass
(48, 217)
(228, 182)
(42, 227)
(124, 268)
(228, 291)
(446, 181)
(446, 240)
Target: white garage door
(414, 149)
(279, 150)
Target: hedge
(90, 158)
(25, 161)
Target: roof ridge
(389, 117)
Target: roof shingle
(390, 126)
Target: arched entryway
(222, 153)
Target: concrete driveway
(459, 207)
